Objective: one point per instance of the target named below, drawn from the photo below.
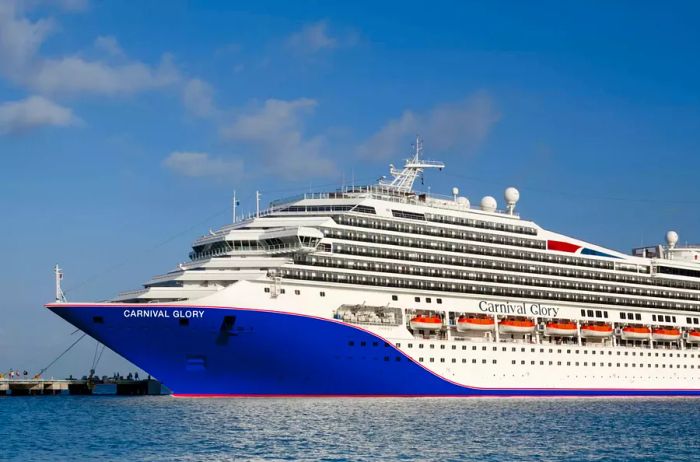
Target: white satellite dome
(463, 201)
(488, 204)
(512, 196)
(672, 238)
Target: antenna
(235, 204)
(60, 296)
(412, 169)
(257, 204)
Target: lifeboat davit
(517, 326)
(426, 323)
(596, 330)
(560, 329)
(694, 336)
(473, 323)
(635, 333)
(665, 334)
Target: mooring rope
(61, 355)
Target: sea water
(112, 428)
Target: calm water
(165, 428)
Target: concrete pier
(33, 387)
(30, 387)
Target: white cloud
(20, 40)
(22, 62)
(315, 37)
(201, 164)
(198, 98)
(274, 132)
(109, 44)
(74, 75)
(33, 112)
(459, 126)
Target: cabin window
(417, 299)
(394, 297)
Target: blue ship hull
(211, 351)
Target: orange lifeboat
(635, 333)
(694, 336)
(426, 323)
(665, 334)
(517, 326)
(560, 329)
(596, 330)
(475, 323)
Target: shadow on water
(162, 427)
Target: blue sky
(125, 129)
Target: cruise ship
(381, 290)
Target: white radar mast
(404, 179)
